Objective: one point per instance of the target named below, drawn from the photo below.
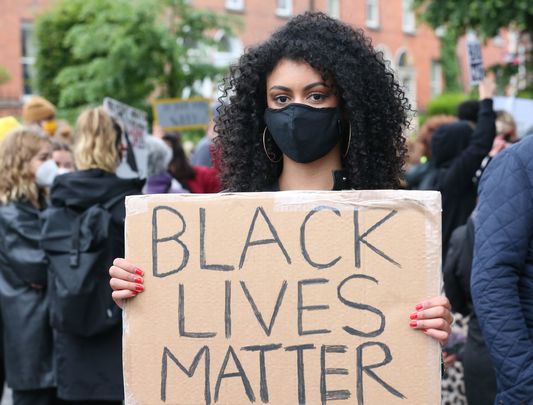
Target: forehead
(292, 74)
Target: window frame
(234, 5)
(372, 21)
(286, 11)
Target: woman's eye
(282, 99)
(317, 97)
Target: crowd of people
(298, 112)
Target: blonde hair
(95, 141)
(17, 150)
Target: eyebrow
(308, 87)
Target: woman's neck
(315, 175)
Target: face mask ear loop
(269, 156)
(349, 139)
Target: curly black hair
(370, 98)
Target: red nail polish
(413, 324)
(134, 293)
(424, 330)
(138, 280)
(139, 287)
(138, 271)
(413, 316)
(419, 307)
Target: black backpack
(81, 246)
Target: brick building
(412, 49)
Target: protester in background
(422, 176)
(62, 155)
(458, 151)
(160, 181)
(25, 157)
(40, 112)
(502, 272)
(505, 136)
(89, 366)
(203, 153)
(304, 115)
(63, 133)
(7, 124)
(194, 179)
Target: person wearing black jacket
(458, 152)
(89, 368)
(27, 168)
(480, 378)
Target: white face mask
(63, 170)
(46, 173)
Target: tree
(485, 16)
(87, 50)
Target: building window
(372, 13)
(334, 8)
(436, 78)
(235, 5)
(28, 55)
(284, 8)
(408, 16)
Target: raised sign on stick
(282, 298)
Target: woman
(422, 176)
(89, 368)
(181, 176)
(312, 108)
(62, 155)
(26, 167)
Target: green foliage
(446, 103)
(526, 93)
(4, 75)
(449, 62)
(486, 16)
(87, 50)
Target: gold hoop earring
(269, 156)
(349, 139)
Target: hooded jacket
(502, 270)
(90, 368)
(458, 151)
(23, 301)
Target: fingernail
(413, 324)
(419, 307)
(138, 271)
(134, 293)
(138, 280)
(139, 287)
(424, 330)
(413, 316)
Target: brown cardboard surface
(282, 298)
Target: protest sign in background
(476, 70)
(181, 114)
(282, 298)
(134, 121)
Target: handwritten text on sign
(281, 298)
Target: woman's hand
(433, 317)
(126, 281)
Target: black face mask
(304, 133)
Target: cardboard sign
(134, 121)
(282, 298)
(475, 59)
(182, 114)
